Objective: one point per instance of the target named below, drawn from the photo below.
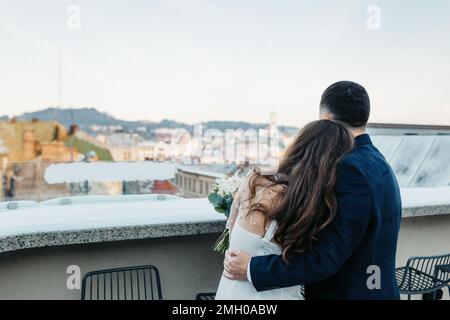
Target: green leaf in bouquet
(215, 199)
(228, 201)
(221, 210)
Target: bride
(283, 212)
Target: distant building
(132, 147)
(24, 139)
(261, 146)
(154, 151)
(31, 146)
(163, 134)
(148, 187)
(163, 187)
(123, 146)
(195, 181)
(58, 152)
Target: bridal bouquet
(221, 197)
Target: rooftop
(418, 161)
(408, 126)
(212, 170)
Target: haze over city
(196, 60)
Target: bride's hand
(235, 264)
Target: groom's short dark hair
(347, 102)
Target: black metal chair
(130, 283)
(206, 296)
(424, 275)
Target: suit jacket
(355, 255)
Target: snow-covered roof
(210, 170)
(418, 161)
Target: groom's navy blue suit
(363, 234)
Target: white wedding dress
(255, 245)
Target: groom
(355, 255)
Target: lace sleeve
(234, 211)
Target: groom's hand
(236, 264)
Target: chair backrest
(206, 296)
(438, 267)
(130, 283)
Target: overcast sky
(194, 60)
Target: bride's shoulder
(266, 188)
(262, 181)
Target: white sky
(194, 60)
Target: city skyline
(266, 121)
(195, 60)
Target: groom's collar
(362, 139)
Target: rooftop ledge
(94, 219)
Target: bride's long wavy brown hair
(308, 170)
